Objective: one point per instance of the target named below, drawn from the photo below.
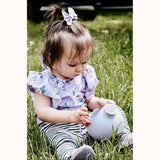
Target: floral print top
(65, 95)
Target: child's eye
(84, 63)
(72, 65)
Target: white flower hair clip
(68, 17)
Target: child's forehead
(73, 58)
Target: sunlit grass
(113, 61)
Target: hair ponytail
(54, 13)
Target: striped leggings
(64, 137)
(69, 136)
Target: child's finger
(83, 113)
(103, 101)
(84, 109)
(111, 101)
(86, 121)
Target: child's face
(68, 68)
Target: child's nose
(79, 68)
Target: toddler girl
(64, 91)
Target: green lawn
(113, 62)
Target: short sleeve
(36, 81)
(42, 83)
(91, 81)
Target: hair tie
(68, 17)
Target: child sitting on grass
(64, 91)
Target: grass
(113, 62)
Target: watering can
(105, 122)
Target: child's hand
(95, 102)
(103, 102)
(80, 116)
(110, 101)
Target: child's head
(68, 47)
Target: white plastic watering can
(104, 121)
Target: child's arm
(94, 102)
(48, 114)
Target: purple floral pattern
(64, 94)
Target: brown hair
(61, 38)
